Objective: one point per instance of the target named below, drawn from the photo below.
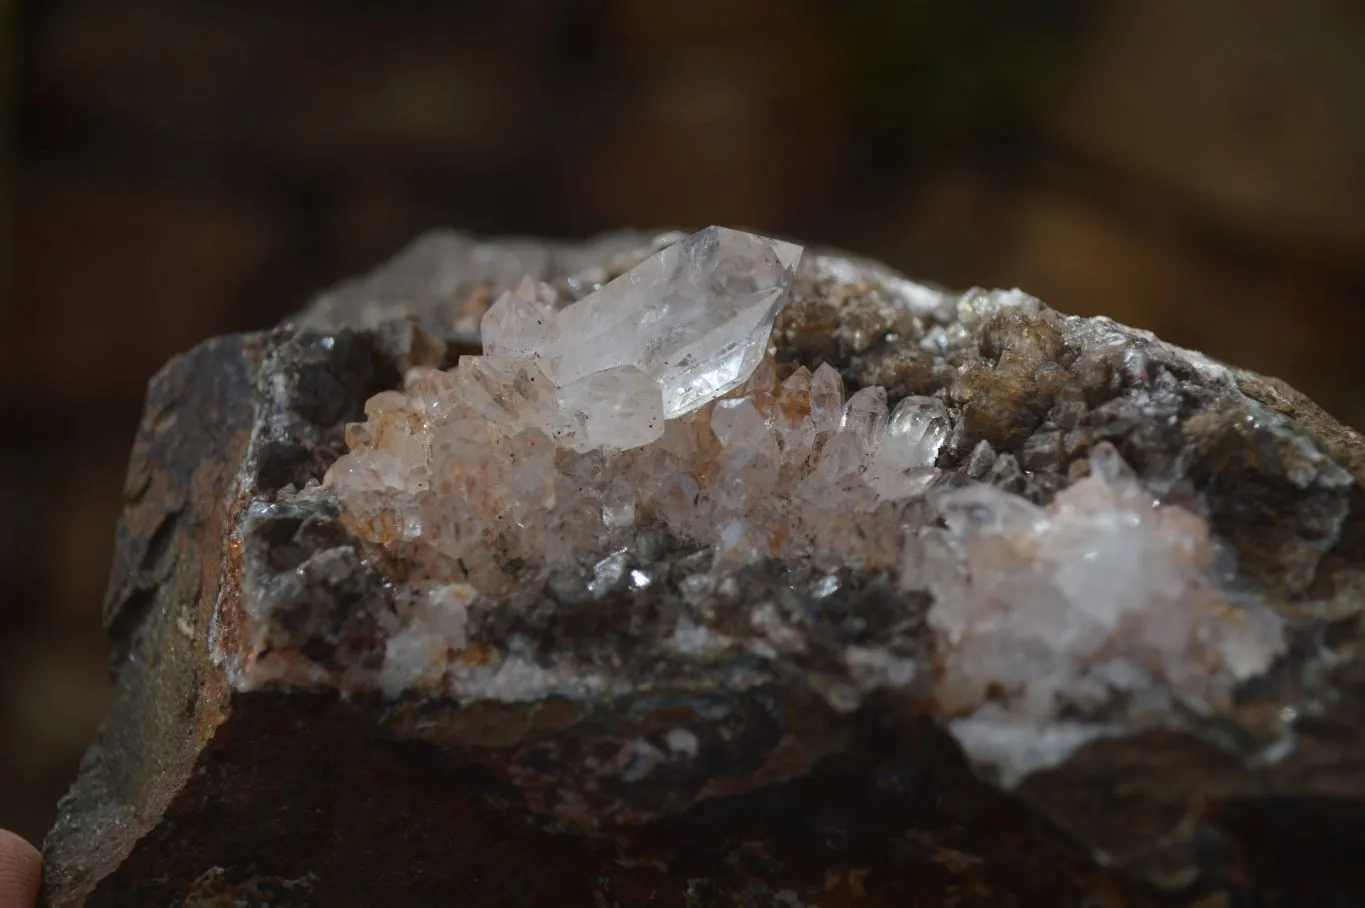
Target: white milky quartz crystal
(435, 622)
(651, 406)
(1044, 611)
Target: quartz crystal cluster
(650, 413)
(1107, 593)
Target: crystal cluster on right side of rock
(1106, 593)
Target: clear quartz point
(695, 318)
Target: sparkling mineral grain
(719, 572)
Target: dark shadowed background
(182, 169)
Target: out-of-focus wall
(189, 168)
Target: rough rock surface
(787, 732)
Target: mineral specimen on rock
(697, 586)
(1106, 595)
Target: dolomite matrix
(708, 569)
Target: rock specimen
(720, 574)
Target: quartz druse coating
(707, 569)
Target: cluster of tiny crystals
(1106, 593)
(652, 408)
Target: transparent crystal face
(695, 317)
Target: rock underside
(705, 570)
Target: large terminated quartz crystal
(678, 330)
(695, 318)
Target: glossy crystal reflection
(695, 318)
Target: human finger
(21, 872)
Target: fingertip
(21, 872)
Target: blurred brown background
(1196, 167)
